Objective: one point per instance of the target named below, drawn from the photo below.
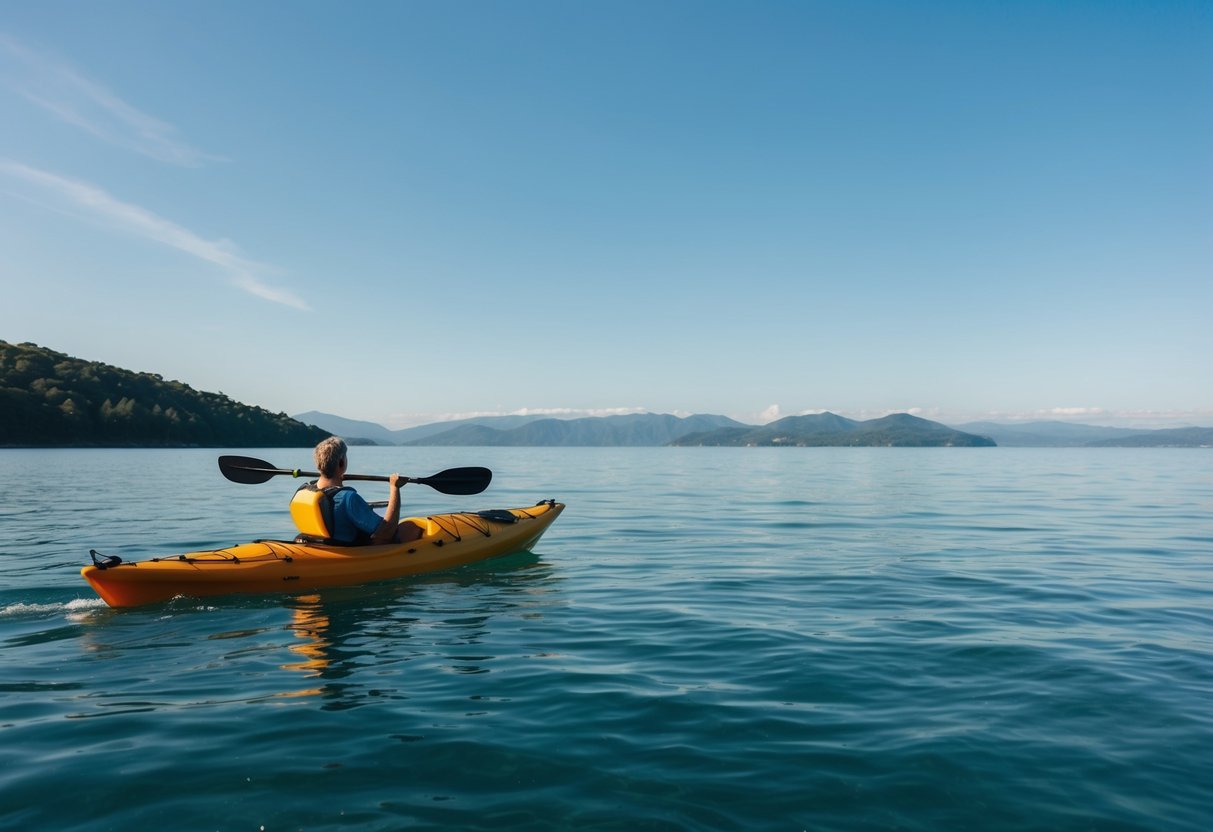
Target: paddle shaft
(252, 471)
(359, 477)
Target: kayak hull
(268, 566)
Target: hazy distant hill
(1067, 435)
(829, 429)
(639, 429)
(51, 399)
(1165, 438)
(354, 429)
(348, 429)
(1047, 434)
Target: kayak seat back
(312, 511)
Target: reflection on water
(310, 624)
(343, 635)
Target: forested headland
(49, 399)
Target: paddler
(354, 521)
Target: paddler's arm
(386, 532)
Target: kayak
(266, 566)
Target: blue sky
(411, 211)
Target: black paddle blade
(471, 480)
(247, 470)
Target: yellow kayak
(265, 566)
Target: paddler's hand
(398, 481)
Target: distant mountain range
(900, 430)
(816, 430)
(655, 429)
(635, 430)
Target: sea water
(707, 639)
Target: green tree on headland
(49, 399)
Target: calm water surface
(708, 639)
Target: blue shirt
(352, 514)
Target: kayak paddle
(250, 471)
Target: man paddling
(353, 520)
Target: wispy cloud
(53, 85)
(770, 414)
(95, 204)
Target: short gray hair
(329, 454)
